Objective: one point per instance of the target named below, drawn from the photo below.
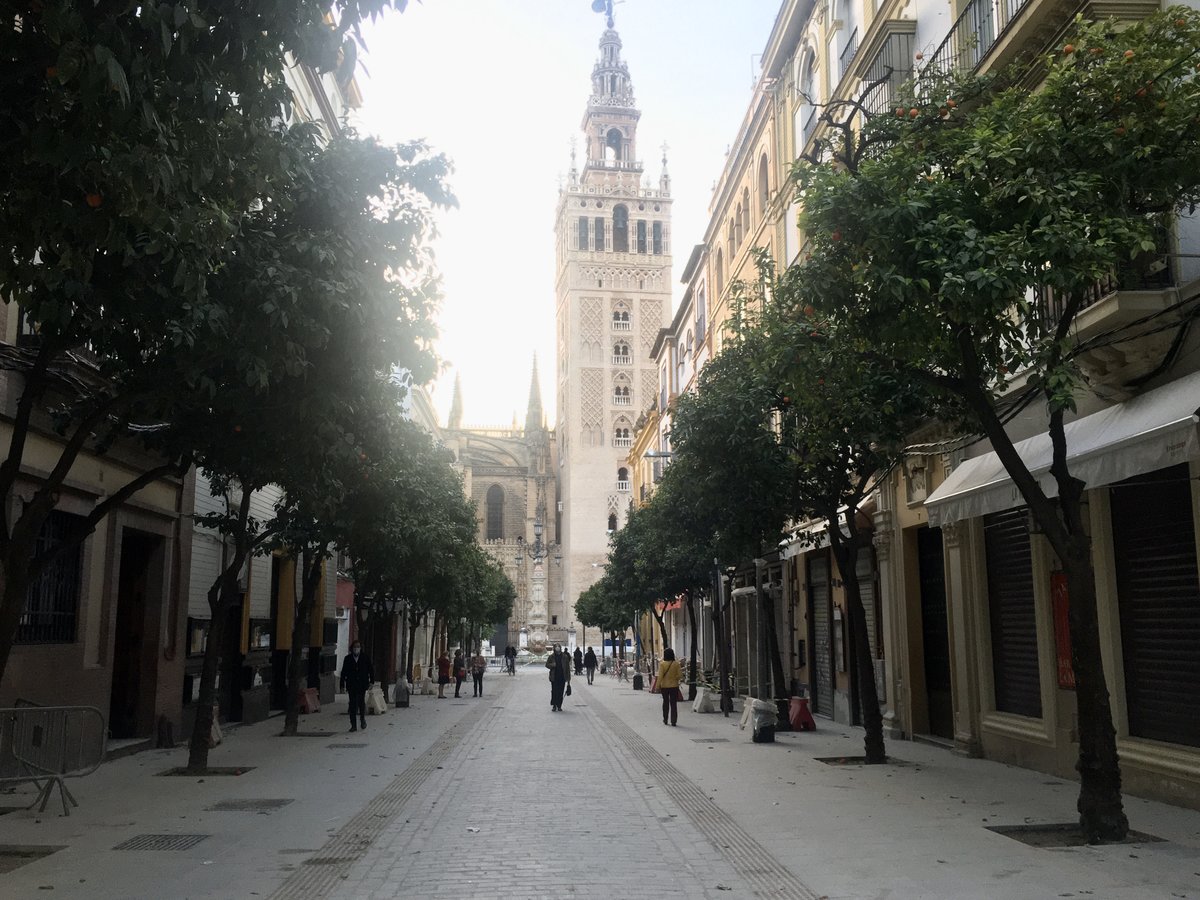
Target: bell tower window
(658, 239)
(613, 142)
(599, 233)
(641, 236)
(583, 232)
(621, 228)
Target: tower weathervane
(606, 7)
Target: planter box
(328, 688)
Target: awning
(1152, 431)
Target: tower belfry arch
(612, 292)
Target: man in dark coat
(578, 661)
(589, 663)
(357, 676)
(559, 664)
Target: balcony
(622, 401)
(809, 126)
(847, 55)
(974, 34)
(625, 442)
(615, 165)
(622, 326)
(622, 360)
(891, 66)
(623, 487)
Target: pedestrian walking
(478, 667)
(669, 676)
(510, 659)
(560, 676)
(589, 663)
(460, 671)
(443, 667)
(356, 677)
(578, 661)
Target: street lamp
(538, 551)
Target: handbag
(568, 689)
(678, 694)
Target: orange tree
(138, 139)
(936, 228)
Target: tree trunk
(661, 619)
(691, 608)
(413, 625)
(845, 551)
(16, 574)
(780, 692)
(1101, 812)
(718, 615)
(437, 617)
(301, 639)
(221, 597)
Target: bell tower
(613, 295)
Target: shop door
(1158, 594)
(819, 616)
(935, 633)
(1011, 611)
(129, 715)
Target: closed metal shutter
(818, 610)
(1011, 611)
(1158, 593)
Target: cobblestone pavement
(534, 803)
(600, 800)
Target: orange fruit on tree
(913, 113)
(94, 200)
(1069, 49)
(1129, 54)
(952, 103)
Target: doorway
(935, 632)
(820, 633)
(131, 699)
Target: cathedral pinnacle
(534, 418)
(456, 411)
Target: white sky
(500, 86)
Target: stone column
(962, 618)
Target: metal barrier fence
(44, 745)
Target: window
(622, 395)
(599, 233)
(720, 271)
(52, 602)
(746, 211)
(612, 522)
(621, 228)
(641, 236)
(731, 238)
(689, 342)
(764, 186)
(658, 238)
(701, 314)
(495, 513)
(583, 232)
(622, 479)
(620, 355)
(620, 318)
(612, 141)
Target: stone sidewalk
(500, 797)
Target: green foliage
(938, 240)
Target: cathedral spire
(456, 404)
(533, 414)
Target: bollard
(402, 694)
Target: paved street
(503, 798)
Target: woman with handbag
(669, 676)
(559, 664)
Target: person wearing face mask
(357, 676)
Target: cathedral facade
(613, 295)
(511, 475)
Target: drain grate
(710, 740)
(330, 860)
(347, 746)
(161, 842)
(250, 805)
(13, 856)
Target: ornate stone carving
(591, 391)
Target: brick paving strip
(750, 859)
(319, 875)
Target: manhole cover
(161, 842)
(13, 856)
(710, 740)
(263, 805)
(347, 746)
(1067, 834)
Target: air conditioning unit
(341, 613)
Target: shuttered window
(1011, 612)
(865, 572)
(818, 608)
(1158, 594)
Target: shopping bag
(568, 689)
(376, 705)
